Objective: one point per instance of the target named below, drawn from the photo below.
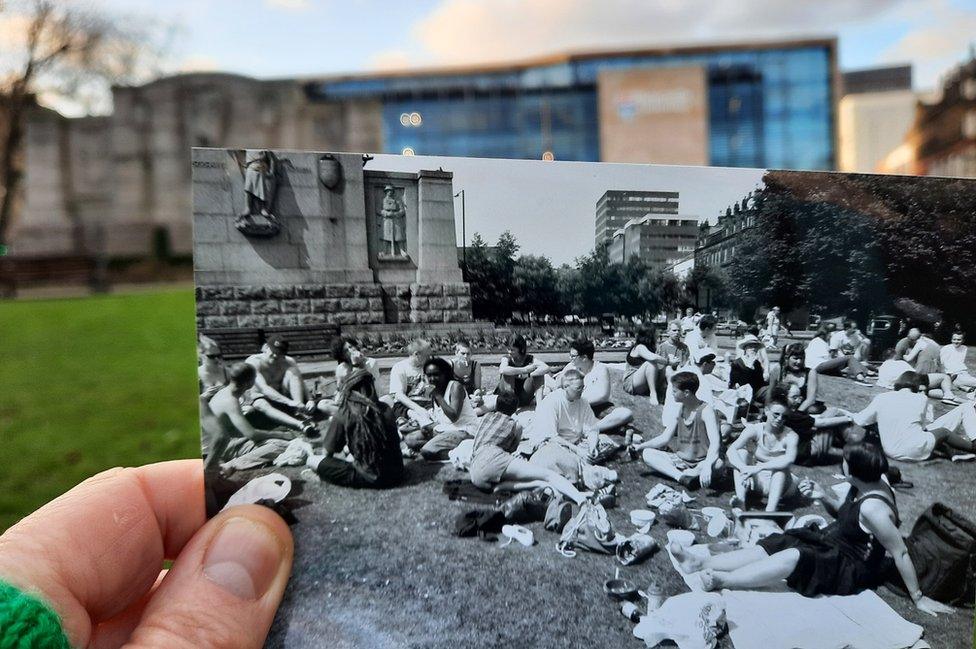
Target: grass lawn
(91, 383)
(382, 569)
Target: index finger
(99, 547)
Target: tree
(537, 287)
(707, 287)
(66, 50)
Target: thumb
(223, 590)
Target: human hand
(932, 607)
(95, 555)
(811, 489)
(208, 393)
(705, 477)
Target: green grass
(91, 383)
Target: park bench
(306, 340)
(18, 272)
(303, 340)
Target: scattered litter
(522, 535)
(662, 493)
(690, 620)
(274, 487)
(294, 454)
(635, 548)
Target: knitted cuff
(26, 622)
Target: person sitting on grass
(644, 366)
(844, 558)
(278, 382)
(795, 373)
(674, 351)
(408, 389)
(821, 358)
(762, 456)
(350, 356)
(230, 433)
(957, 427)
(494, 465)
(902, 416)
(212, 373)
(924, 353)
(565, 433)
(467, 371)
(748, 368)
(936, 385)
(596, 386)
(818, 433)
(450, 420)
(692, 434)
(703, 335)
(367, 428)
(520, 373)
(953, 358)
(850, 341)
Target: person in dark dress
(747, 369)
(844, 558)
(368, 428)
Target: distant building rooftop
(896, 77)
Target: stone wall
(341, 304)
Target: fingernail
(243, 558)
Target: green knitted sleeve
(28, 623)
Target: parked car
(883, 330)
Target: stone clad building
(326, 261)
(119, 185)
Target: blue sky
(274, 38)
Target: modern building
(873, 116)
(942, 137)
(617, 207)
(716, 243)
(659, 240)
(120, 184)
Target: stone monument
(328, 239)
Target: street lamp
(464, 238)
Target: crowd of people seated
(742, 420)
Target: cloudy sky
(550, 206)
(269, 38)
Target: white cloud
(940, 38)
(471, 31)
(198, 63)
(288, 5)
(388, 60)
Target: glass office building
(764, 105)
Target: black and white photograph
(537, 403)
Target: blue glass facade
(768, 107)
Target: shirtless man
(278, 382)
(211, 372)
(229, 426)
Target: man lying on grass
(494, 464)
